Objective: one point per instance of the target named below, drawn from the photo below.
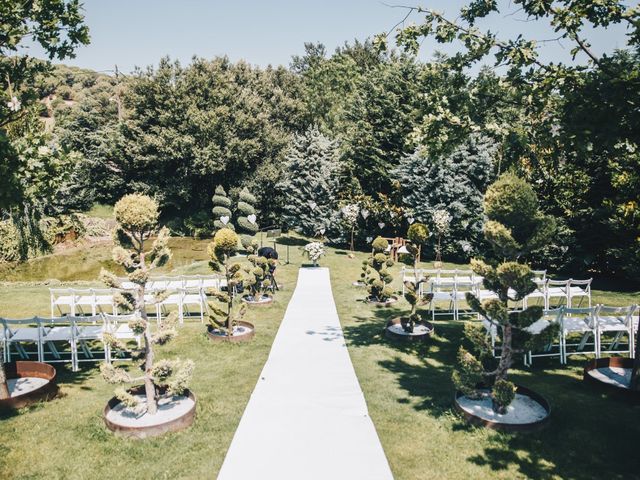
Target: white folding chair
(118, 326)
(618, 321)
(62, 297)
(579, 289)
(559, 290)
(549, 317)
(175, 299)
(459, 294)
(20, 332)
(540, 293)
(193, 296)
(89, 332)
(59, 330)
(580, 321)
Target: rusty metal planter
(615, 362)
(173, 425)
(407, 338)
(244, 337)
(507, 427)
(30, 369)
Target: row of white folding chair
(201, 282)
(182, 299)
(565, 292)
(78, 299)
(591, 323)
(76, 332)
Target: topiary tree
(223, 247)
(258, 277)
(514, 227)
(221, 209)
(379, 262)
(137, 221)
(249, 243)
(417, 235)
(247, 220)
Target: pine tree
(247, 221)
(310, 186)
(221, 209)
(454, 182)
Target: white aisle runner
(307, 418)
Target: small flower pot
(44, 387)
(421, 331)
(528, 412)
(139, 427)
(245, 332)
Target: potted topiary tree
(258, 281)
(221, 209)
(514, 227)
(350, 214)
(412, 327)
(225, 318)
(378, 285)
(441, 224)
(165, 381)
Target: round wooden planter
(261, 303)
(30, 369)
(176, 424)
(415, 337)
(613, 362)
(388, 303)
(507, 427)
(244, 337)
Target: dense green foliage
(408, 137)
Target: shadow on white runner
(307, 418)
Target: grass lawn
(408, 391)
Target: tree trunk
(507, 353)
(4, 388)
(149, 387)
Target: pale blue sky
(139, 32)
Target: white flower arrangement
(441, 221)
(350, 213)
(314, 251)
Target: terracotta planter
(507, 427)
(386, 303)
(261, 303)
(612, 362)
(30, 369)
(176, 424)
(244, 337)
(406, 337)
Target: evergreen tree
(455, 182)
(311, 183)
(221, 209)
(247, 221)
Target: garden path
(307, 417)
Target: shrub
(247, 213)
(221, 208)
(379, 262)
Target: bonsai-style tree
(515, 226)
(221, 249)
(221, 209)
(247, 220)
(250, 244)
(137, 220)
(379, 262)
(417, 235)
(258, 278)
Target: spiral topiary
(379, 262)
(246, 212)
(221, 209)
